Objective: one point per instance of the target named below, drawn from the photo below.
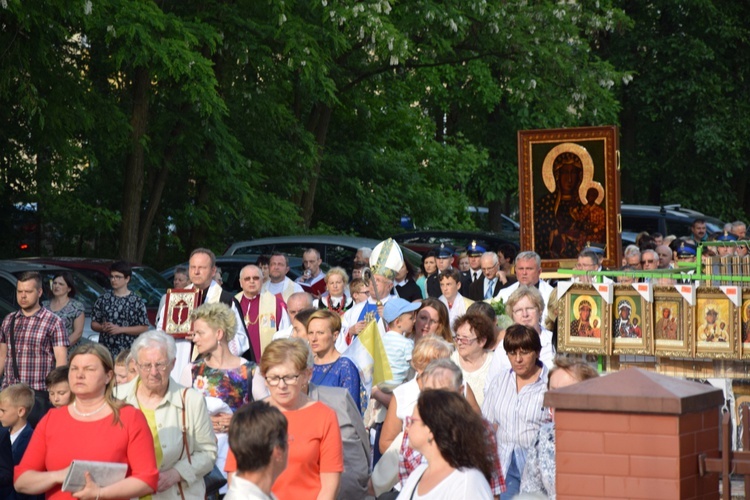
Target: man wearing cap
(493, 279)
(528, 272)
(385, 262)
(475, 255)
(725, 251)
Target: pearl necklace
(81, 414)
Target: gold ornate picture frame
(587, 330)
(178, 306)
(631, 320)
(569, 194)
(673, 324)
(716, 325)
(744, 334)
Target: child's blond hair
(19, 395)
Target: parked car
(667, 219)
(231, 265)
(424, 241)
(88, 291)
(145, 282)
(334, 250)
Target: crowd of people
(266, 395)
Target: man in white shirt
(278, 282)
(201, 270)
(528, 272)
(457, 304)
(258, 437)
(313, 279)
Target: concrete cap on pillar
(636, 391)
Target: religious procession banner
(569, 193)
(179, 304)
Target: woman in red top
(94, 426)
(316, 456)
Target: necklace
(81, 414)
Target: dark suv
(669, 219)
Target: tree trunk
(495, 209)
(134, 168)
(157, 189)
(320, 119)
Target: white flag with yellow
(368, 353)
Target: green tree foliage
(146, 128)
(683, 133)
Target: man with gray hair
(528, 272)
(492, 280)
(363, 255)
(297, 302)
(262, 312)
(632, 257)
(739, 229)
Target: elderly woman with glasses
(513, 403)
(316, 457)
(184, 441)
(474, 334)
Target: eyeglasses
(463, 340)
(647, 261)
(115, 277)
(527, 310)
(161, 366)
(288, 380)
(411, 420)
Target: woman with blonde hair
(315, 451)
(78, 431)
(331, 368)
(224, 379)
(336, 300)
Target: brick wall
(621, 455)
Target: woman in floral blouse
(223, 378)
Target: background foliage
(144, 128)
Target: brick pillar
(635, 434)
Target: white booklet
(102, 473)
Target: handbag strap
(13, 349)
(185, 447)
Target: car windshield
(149, 285)
(87, 290)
